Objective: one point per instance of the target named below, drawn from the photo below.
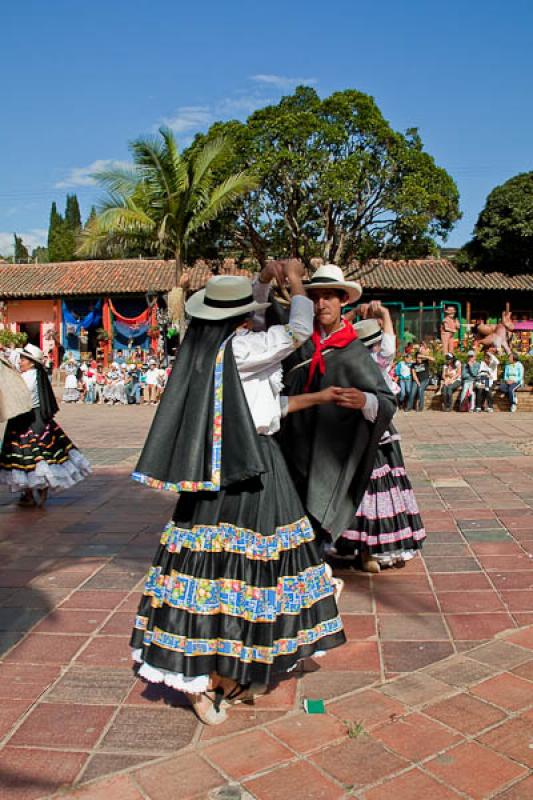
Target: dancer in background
(37, 455)
(387, 529)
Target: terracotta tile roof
(202, 271)
(138, 276)
(85, 278)
(435, 274)
(100, 277)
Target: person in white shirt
(152, 383)
(237, 592)
(486, 378)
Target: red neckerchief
(340, 338)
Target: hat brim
(35, 359)
(353, 289)
(196, 307)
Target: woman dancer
(237, 592)
(387, 529)
(36, 454)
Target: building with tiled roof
(57, 299)
(36, 297)
(436, 275)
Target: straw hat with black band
(31, 352)
(224, 296)
(368, 331)
(330, 276)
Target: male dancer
(330, 449)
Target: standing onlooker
(419, 382)
(100, 385)
(119, 359)
(403, 373)
(89, 381)
(451, 380)
(448, 328)
(486, 377)
(513, 378)
(469, 374)
(71, 393)
(151, 386)
(138, 355)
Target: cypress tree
(21, 255)
(72, 214)
(55, 235)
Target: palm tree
(162, 200)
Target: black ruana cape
(179, 446)
(47, 399)
(330, 451)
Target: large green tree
(503, 235)
(164, 200)
(336, 181)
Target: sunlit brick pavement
(432, 695)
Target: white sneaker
(513, 408)
(478, 410)
(489, 410)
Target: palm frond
(149, 157)
(175, 161)
(205, 160)
(128, 225)
(120, 181)
(221, 198)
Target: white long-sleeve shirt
(258, 356)
(29, 376)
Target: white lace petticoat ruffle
(52, 476)
(176, 680)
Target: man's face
(328, 304)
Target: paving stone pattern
(433, 693)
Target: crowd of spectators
(127, 381)
(471, 384)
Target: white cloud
(188, 118)
(283, 81)
(36, 237)
(82, 176)
(243, 104)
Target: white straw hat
(330, 276)
(224, 296)
(368, 331)
(32, 352)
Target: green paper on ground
(314, 706)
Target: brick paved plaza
(432, 696)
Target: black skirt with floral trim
(237, 586)
(37, 453)
(388, 522)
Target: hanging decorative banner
(131, 331)
(91, 320)
(141, 319)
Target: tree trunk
(178, 267)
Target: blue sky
(81, 80)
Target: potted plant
(9, 338)
(102, 335)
